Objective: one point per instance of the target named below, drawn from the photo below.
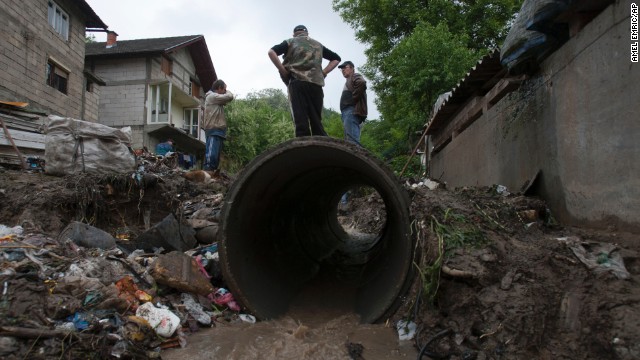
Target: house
(557, 119)
(155, 86)
(42, 70)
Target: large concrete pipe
(279, 229)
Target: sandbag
(76, 146)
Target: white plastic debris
(163, 321)
(247, 318)
(502, 190)
(430, 184)
(406, 330)
(195, 309)
(5, 230)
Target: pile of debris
(127, 291)
(126, 266)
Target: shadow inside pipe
(361, 215)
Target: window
(191, 121)
(57, 77)
(59, 20)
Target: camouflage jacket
(303, 58)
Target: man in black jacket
(353, 102)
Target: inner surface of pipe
(279, 230)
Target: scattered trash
(428, 183)
(223, 297)
(406, 329)
(163, 321)
(502, 190)
(7, 231)
(195, 309)
(599, 257)
(247, 318)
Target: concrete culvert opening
(280, 237)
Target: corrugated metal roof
(482, 77)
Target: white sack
(75, 146)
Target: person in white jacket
(214, 123)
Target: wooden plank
(470, 109)
(15, 103)
(24, 139)
(502, 88)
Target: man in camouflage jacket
(303, 74)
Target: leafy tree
(418, 69)
(256, 123)
(332, 122)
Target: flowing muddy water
(291, 338)
(320, 324)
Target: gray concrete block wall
(576, 122)
(137, 137)
(92, 100)
(121, 70)
(27, 43)
(122, 105)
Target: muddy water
(320, 324)
(291, 338)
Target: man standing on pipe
(214, 123)
(303, 74)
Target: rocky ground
(498, 277)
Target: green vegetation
(256, 123)
(453, 231)
(457, 232)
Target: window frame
(190, 122)
(58, 19)
(55, 73)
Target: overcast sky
(238, 34)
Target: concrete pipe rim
(278, 227)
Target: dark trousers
(306, 105)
